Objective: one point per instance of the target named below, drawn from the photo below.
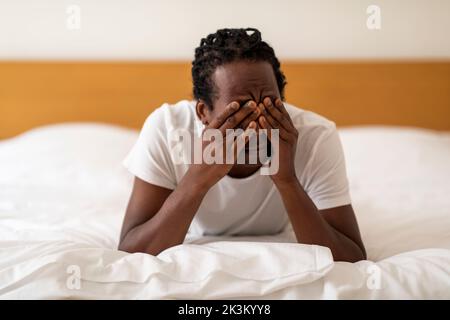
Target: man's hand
(275, 116)
(232, 117)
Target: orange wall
(124, 93)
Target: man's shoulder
(169, 116)
(306, 120)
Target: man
(237, 83)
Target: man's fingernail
(251, 104)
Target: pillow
(61, 269)
(400, 186)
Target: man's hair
(225, 46)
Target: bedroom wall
(170, 29)
(107, 60)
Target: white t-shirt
(252, 205)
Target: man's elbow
(127, 247)
(357, 255)
(135, 247)
(364, 254)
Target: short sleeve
(328, 184)
(149, 158)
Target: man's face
(242, 81)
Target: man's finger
(274, 124)
(233, 120)
(269, 123)
(224, 115)
(252, 117)
(280, 105)
(265, 125)
(277, 114)
(246, 135)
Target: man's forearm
(170, 224)
(311, 228)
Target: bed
(63, 193)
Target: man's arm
(158, 218)
(335, 228)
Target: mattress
(63, 194)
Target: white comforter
(63, 194)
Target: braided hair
(225, 46)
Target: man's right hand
(234, 116)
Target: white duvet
(63, 193)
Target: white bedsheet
(63, 194)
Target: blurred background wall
(357, 62)
(170, 29)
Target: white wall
(171, 29)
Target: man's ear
(203, 112)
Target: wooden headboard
(124, 93)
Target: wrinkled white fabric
(63, 194)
